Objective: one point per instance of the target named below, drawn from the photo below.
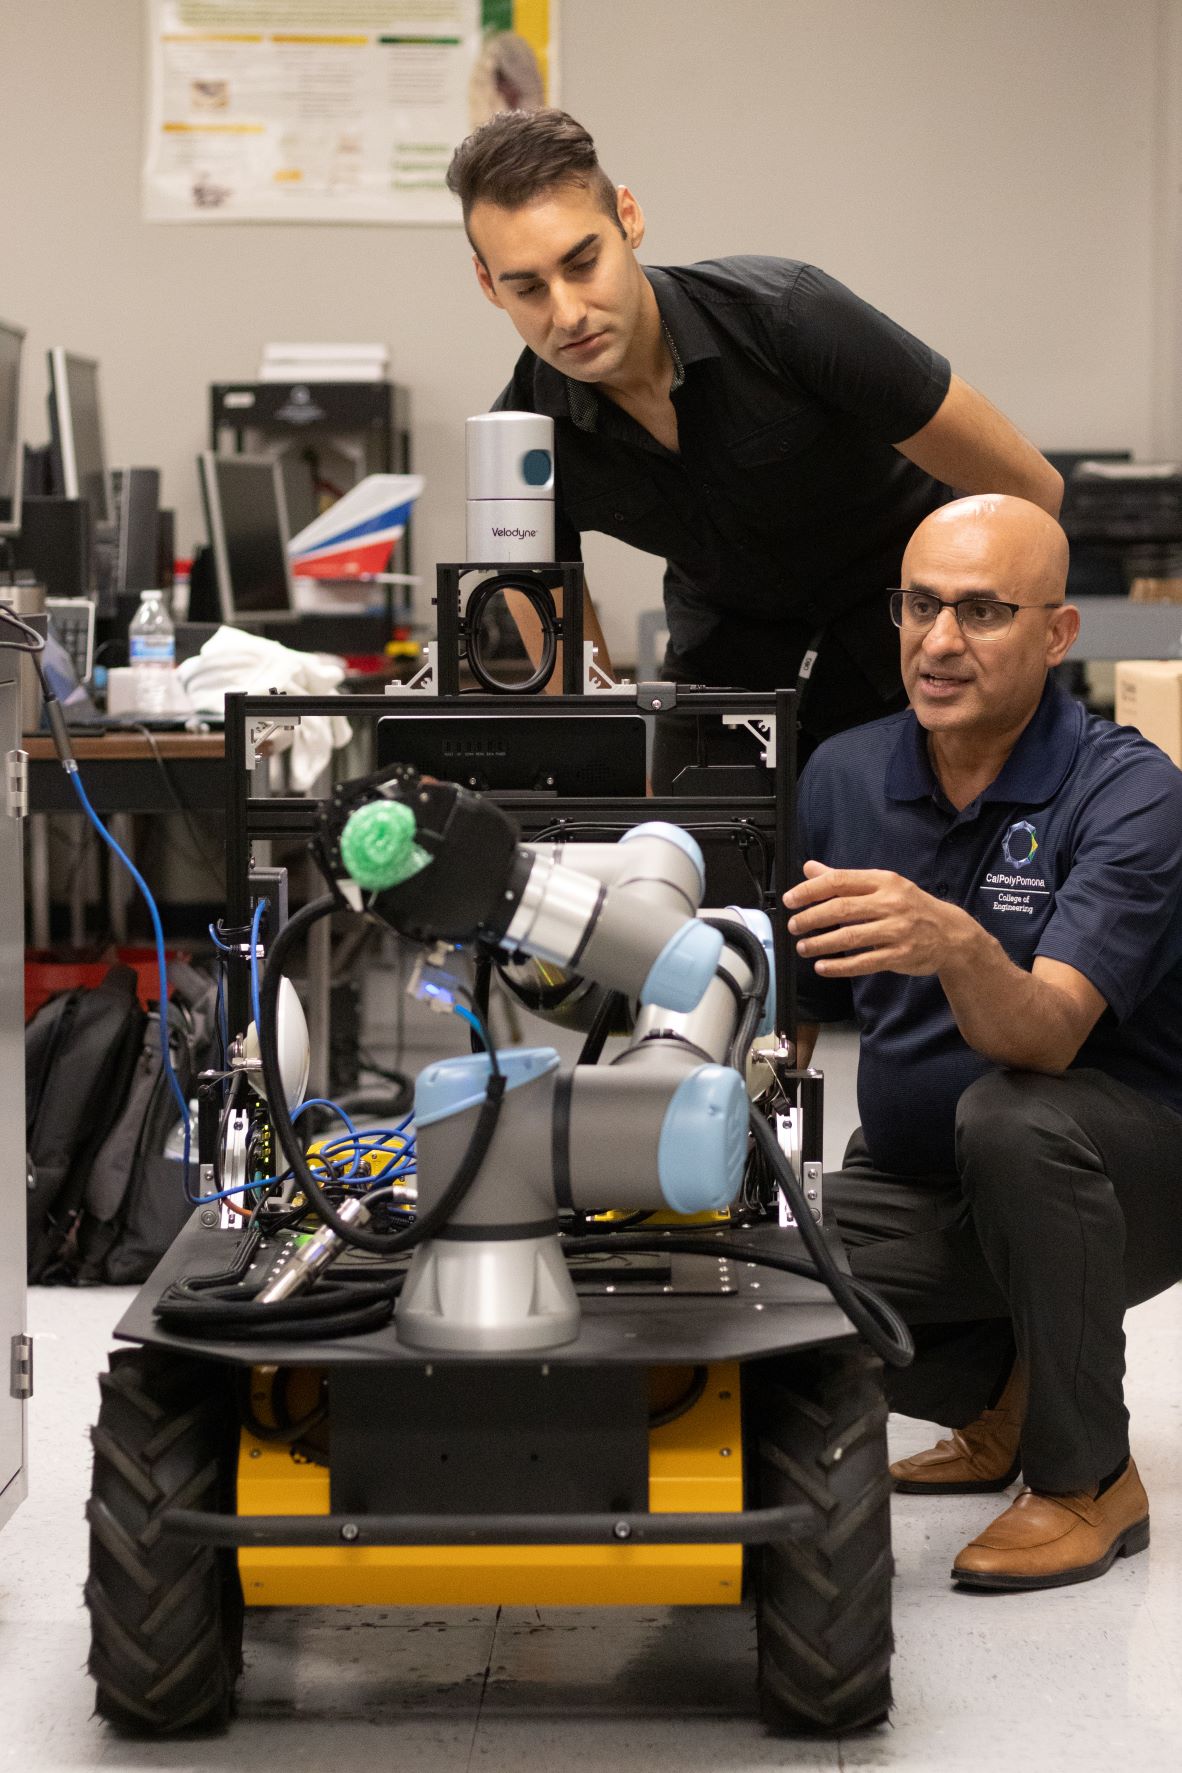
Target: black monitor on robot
(246, 518)
(76, 426)
(12, 339)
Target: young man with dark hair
(994, 894)
(772, 436)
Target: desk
(123, 774)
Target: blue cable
(354, 1136)
(355, 1139)
(161, 963)
(473, 1021)
(255, 925)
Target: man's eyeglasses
(984, 618)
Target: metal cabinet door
(12, 1097)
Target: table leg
(39, 879)
(80, 888)
(122, 830)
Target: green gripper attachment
(378, 845)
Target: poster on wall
(330, 110)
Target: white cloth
(232, 659)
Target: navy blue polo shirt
(1073, 852)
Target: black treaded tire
(166, 1616)
(815, 1426)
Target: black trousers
(1065, 1208)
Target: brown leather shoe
(1048, 1541)
(976, 1460)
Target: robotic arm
(665, 1125)
(443, 864)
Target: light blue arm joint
(703, 1142)
(672, 834)
(685, 966)
(452, 1086)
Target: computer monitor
(11, 452)
(75, 417)
(246, 516)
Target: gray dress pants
(1065, 1208)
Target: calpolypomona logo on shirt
(1014, 887)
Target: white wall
(1003, 178)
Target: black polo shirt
(1073, 852)
(786, 509)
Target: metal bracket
(656, 698)
(234, 1177)
(425, 681)
(809, 1174)
(813, 1191)
(762, 728)
(16, 780)
(597, 681)
(258, 732)
(21, 1369)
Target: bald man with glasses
(994, 893)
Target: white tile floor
(1080, 1679)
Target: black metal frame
(452, 633)
(249, 817)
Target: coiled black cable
(220, 1306)
(331, 1308)
(377, 1243)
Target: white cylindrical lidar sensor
(510, 487)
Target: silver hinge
(16, 777)
(21, 1382)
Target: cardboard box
(1155, 591)
(1149, 697)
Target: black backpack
(134, 1202)
(80, 1051)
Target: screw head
(209, 1216)
(350, 1532)
(256, 1452)
(621, 1530)
(724, 1452)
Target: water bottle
(152, 649)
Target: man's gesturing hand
(854, 921)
